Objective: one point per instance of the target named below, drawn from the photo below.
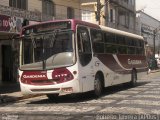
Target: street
(119, 102)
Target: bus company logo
(34, 76)
(135, 62)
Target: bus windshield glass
(47, 50)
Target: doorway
(7, 64)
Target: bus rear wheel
(98, 88)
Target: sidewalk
(11, 93)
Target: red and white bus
(73, 56)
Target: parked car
(157, 57)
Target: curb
(154, 71)
(9, 99)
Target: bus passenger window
(97, 38)
(139, 51)
(131, 50)
(122, 50)
(110, 38)
(111, 48)
(120, 40)
(98, 47)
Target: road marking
(128, 92)
(152, 92)
(147, 96)
(100, 101)
(120, 96)
(138, 89)
(140, 102)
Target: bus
(70, 56)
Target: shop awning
(8, 35)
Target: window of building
(132, 2)
(87, 16)
(70, 13)
(126, 1)
(48, 7)
(21, 4)
(111, 15)
(123, 17)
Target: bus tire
(98, 87)
(52, 97)
(133, 78)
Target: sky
(151, 7)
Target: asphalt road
(119, 102)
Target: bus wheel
(97, 86)
(133, 78)
(52, 97)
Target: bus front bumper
(61, 89)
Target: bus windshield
(47, 50)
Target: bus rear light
(62, 75)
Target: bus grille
(49, 89)
(43, 82)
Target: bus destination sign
(47, 27)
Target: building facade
(14, 14)
(119, 14)
(146, 25)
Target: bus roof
(119, 32)
(74, 21)
(92, 25)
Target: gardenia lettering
(134, 61)
(34, 76)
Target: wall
(4, 2)
(146, 25)
(35, 5)
(61, 8)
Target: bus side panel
(107, 73)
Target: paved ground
(120, 102)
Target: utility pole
(154, 42)
(98, 12)
(155, 31)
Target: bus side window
(98, 43)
